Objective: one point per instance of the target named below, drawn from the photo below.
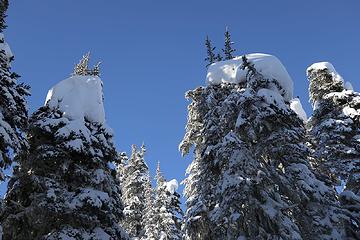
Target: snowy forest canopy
(261, 168)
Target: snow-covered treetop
(172, 186)
(325, 66)
(79, 98)
(324, 79)
(269, 66)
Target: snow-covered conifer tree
(335, 132)
(151, 216)
(13, 107)
(64, 188)
(135, 189)
(167, 208)
(228, 50)
(251, 176)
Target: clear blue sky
(152, 53)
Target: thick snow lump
(78, 97)
(269, 66)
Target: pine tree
(151, 216)
(335, 129)
(63, 187)
(135, 193)
(211, 58)
(228, 50)
(121, 172)
(167, 208)
(13, 106)
(251, 177)
(82, 69)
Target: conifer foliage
(251, 177)
(167, 208)
(228, 50)
(136, 192)
(211, 57)
(63, 187)
(335, 129)
(13, 107)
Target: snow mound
(269, 66)
(172, 186)
(348, 86)
(78, 97)
(296, 106)
(325, 66)
(272, 98)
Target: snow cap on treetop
(172, 186)
(325, 66)
(269, 66)
(78, 97)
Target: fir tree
(81, 69)
(251, 177)
(13, 107)
(167, 208)
(63, 187)
(335, 129)
(211, 58)
(135, 193)
(151, 215)
(228, 50)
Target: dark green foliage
(13, 106)
(4, 4)
(63, 186)
(228, 50)
(211, 58)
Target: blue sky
(153, 52)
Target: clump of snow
(325, 66)
(296, 106)
(172, 186)
(4, 46)
(269, 66)
(78, 97)
(349, 111)
(272, 98)
(348, 86)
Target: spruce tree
(136, 193)
(63, 187)
(211, 58)
(334, 129)
(151, 216)
(13, 107)
(251, 176)
(167, 208)
(228, 50)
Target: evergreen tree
(251, 176)
(63, 187)
(167, 207)
(135, 193)
(13, 107)
(121, 172)
(335, 129)
(151, 216)
(228, 50)
(211, 58)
